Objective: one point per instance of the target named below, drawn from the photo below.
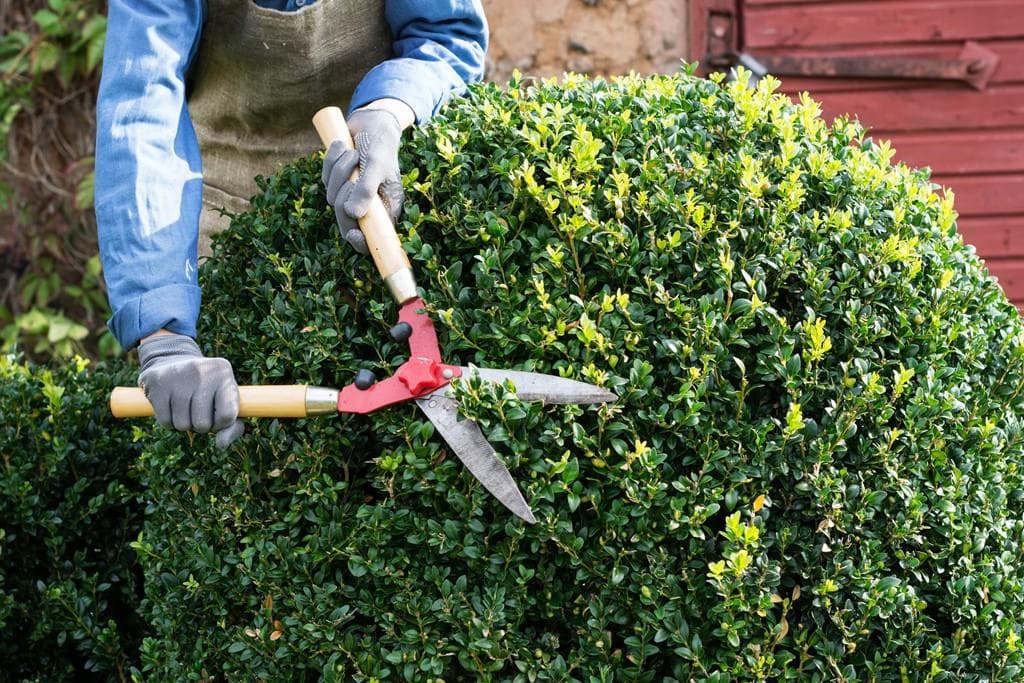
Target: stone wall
(599, 37)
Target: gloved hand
(188, 391)
(376, 134)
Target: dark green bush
(813, 471)
(69, 507)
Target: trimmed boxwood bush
(69, 507)
(813, 471)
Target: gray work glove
(376, 134)
(188, 391)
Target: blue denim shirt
(148, 177)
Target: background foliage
(70, 504)
(813, 471)
(52, 301)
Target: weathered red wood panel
(834, 2)
(995, 195)
(936, 108)
(1002, 235)
(962, 152)
(1010, 274)
(804, 2)
(869, 23)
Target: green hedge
(69, 507)
(813, 471)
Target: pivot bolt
(365, 379)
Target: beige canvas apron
(259, 76)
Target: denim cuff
(174, 308)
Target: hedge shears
(423, 377)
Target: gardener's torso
(261, 72)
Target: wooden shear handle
(381, 238)
(296, 400)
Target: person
(197, 98)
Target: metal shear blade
(475, 452)
(469, 443)
(536, 386)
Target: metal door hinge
(720, 33)
(974, 66)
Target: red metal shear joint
(422, 375)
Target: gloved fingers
(208, 375)
(364, 191)
(201, 414)
(339, 172)
(225, 405)
(336, 150)
(393, 196)
(357, 240)
(228, 436)
(346, 223)
(169, 391)
(348, 227)
(161, 402)
(181, 411)
(225, 415)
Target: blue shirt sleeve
(148, 169)
(148, 166)
(439, 48)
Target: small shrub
(69, 507)
(813, 471)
